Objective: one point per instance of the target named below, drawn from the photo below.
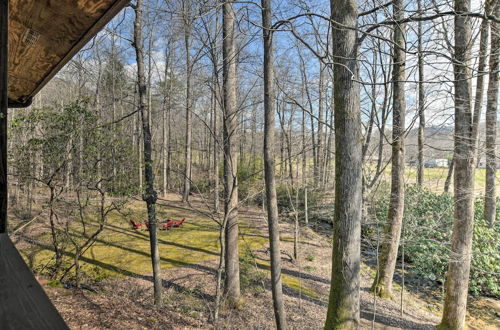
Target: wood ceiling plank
(58, 29)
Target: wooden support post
(4, 25)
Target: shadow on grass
(117, 269)
(144, 236)
(366, 313)
(297, 294)
(294, 273)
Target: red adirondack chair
(168, 225)
(164, 225)
(135, 225)
(179, 223)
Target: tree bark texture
(456, 287)
(269, 167)
(491, 123)
(421, 102)
(189, 101)
(232, 279)
(343, 306)
(382, 285)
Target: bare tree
(491, 122)
(149, 195)
(421, 101)
(382, 286)
(271, 199)
(481, 72)
(232, 279)
(319, 141)
(187, 21)
(343, 306)
(166, 119)
(457, 280)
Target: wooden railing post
(4, 25)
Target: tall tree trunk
(149, 195)
(321, 103)
(382, 286)
(214, 56)
(481, 72)
(329, 171)
(289, 147)
(491, 123)
(304, 147)
(232, 280)
(343, 306)
(189, 99)
(286, 137)
(282, 139)
(253, 144)
(421, 102)
(169, 135)
(216, 145)
(456, 287)
(98, 108)
(4, 25)
(139, 152)
(113, 106)
(166, 107)
(207, 130)
(271, 199)
(314, 146)
(150, 70)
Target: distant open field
(434, 178)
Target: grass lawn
(123, 251)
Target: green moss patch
(122, 251)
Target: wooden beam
(24, 303)
(4, 26)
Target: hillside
(121, 297)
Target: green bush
(428, 220)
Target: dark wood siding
(23, 303)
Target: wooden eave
(45, 34)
